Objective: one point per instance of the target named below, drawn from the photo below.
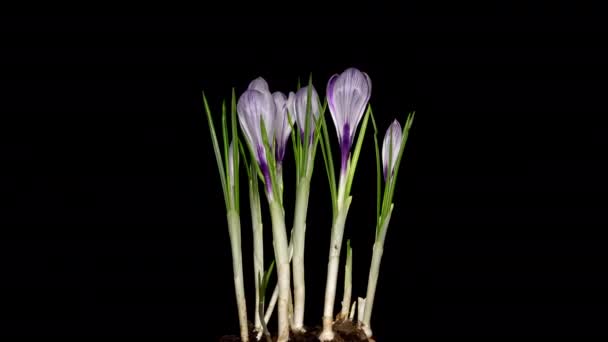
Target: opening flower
(347, 97)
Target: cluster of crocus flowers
(267, 120)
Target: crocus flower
(255, 104)
(347, 96)
(390, 149)
(297, 105)
(282, 129)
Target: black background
(112, 218)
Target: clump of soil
(346, 331)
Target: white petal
(259, 84)
(335, 115)
(351, 92)
(281, 123)
(253, 105)
(300, 104)
(391, 142)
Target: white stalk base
(327, 334)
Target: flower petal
(391, 143)
(259, 84)
(298, 104)
(281, 124)
(330, 101)
(348, 95)
(252, 106)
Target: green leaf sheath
(216, 151)
(235, 147)
(355, 158)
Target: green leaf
(355, 158)
(349, 250)
(254, 161)
(235, 147)
(378, 172)
(295, 143)
(406, 129)
(249, 168)
(263, 281)
(216, 150)
(271, 163)
(317, 135)
(254, 182)
(226, 144)
(329, 164)
(307, 117)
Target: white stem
(337, 233)
(290, 310)
(348, 277)
(264, 329)
(299, 238)
(258, 248)
(373, 274)
(351, 316)
(271, 304)
(234, 229)
(281, 251)
(360, 309)
(275, 293)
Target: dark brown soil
(345, 331)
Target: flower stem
(374, 269)
(348, 285)
(351, 316)
(299, 238)
(337, 234)
(258, 247)
(234, 229)
(281, 251)
(275, 292)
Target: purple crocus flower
(390, 149)
(282, 129)
(255, 104)
(347, 96)
(297, 106)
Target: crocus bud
(390, 149)
(297, 105)
(347, 97)
(255, 104)
(281, 129)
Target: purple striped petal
(259, 84)
(332, 108)
(344, 148)
(347, 97)
(391, 143)
(297, 105)
(252, 107)
(281, 125)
